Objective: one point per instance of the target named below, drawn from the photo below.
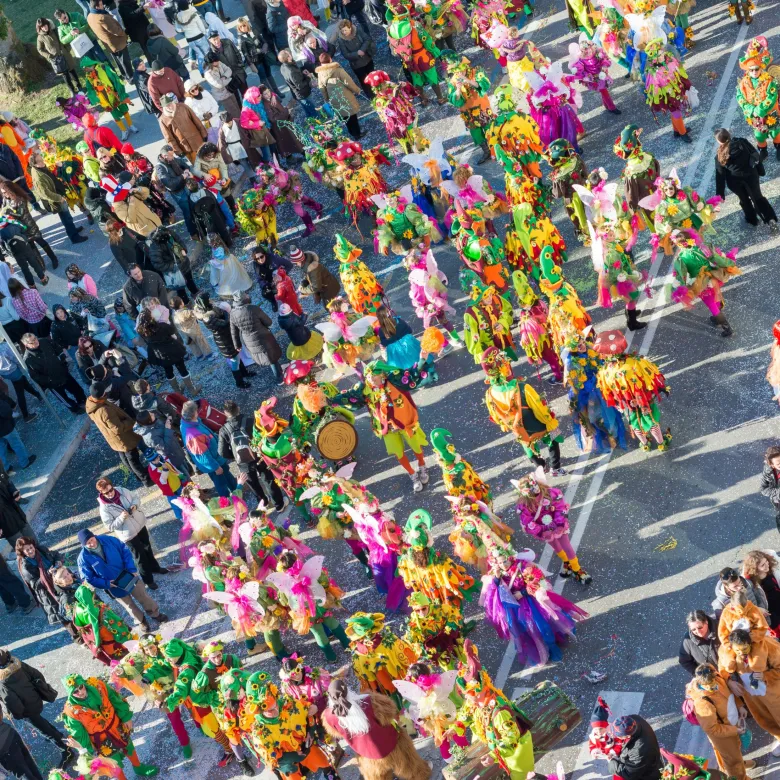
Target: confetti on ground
(669, 544)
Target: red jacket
(102, 136)
(285, 292)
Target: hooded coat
(251, 326)
(322, 283)
(218, 322)
(50, 48)
(23, 690)
(182, 129)
(337, 86)
(47, 365)
(640, 758)
(66, 333)
(276, 17)
(115, 424)
(696, 650)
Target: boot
(307, 220)
(145, 770)
(777, 151)
(186, 751)
(738, 11)
(190, 387)
(241, 383)
(485, 153)
(363, 558)
(437, 91)
(763, 153)
(582, 576)
(721, 322)
(632, 320)
(329, 653)
(174, 383)
(341, 635)
(748, 15)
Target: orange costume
(11, 139)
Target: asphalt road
(653, 529)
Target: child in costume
(742, 10)
(517, 408)
(256, 216)
(632, 384)
(106, 91)
(517, 55)
(487, 322)
(554, 105)
(444, 18)
(468, 189)
(667, 87)
(700, 271)
(401, 224)
(264, 541)
(476, 526)
(100, 629)
(568, 169)
(361, 287)
(230, 709)
(600, 743)
(757, 95)
(773, 372)
(468, 91)
(198, 524)
(75, 109)
(480, 252)
(544, 514)
(459, 476)
(640, 173)
(98, 720)
(359, 172)
(283, 186)
(394, 107)
(349, 338)
(589, 64)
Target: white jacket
(206, 105)
(110, 514)
(191, 23)
(213, 22)
(218, 77)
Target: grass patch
(23, 14)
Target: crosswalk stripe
(620, 703)
(692, 741)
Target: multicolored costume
(101, 630)
(568, 169)
(667, 87)
(640, 173)
(281, 186)
(359, 175)
(487, 322)
(66, 165)
(742, 10)
(519, 56)
(106, 91)
(459, 476)
(481, 253)
(757, 94)
(257, 217)
(394, 107)
(75, 108)
(582, 16)
(529, 235)
(476, 528)
(566, 316)
(589, 64)
(229, 708)
(554, 105)
(411, 42)
(401, 225)
(349, 338)
(361, 287)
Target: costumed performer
(401, 224)
(640, 172)
(553, 103)
(349, 338)
(480, 251)
(395, 108)
(106, 91)
(358, 171)
(459, 476)
(487, 322)
(474, 522)
(757, 94)
(361, 287)
(568, 169)
(589, 64)
(284, 186)
(566, 315)
(229, 708)
(100, 629)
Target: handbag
(174, 279)
(60, 64)
(80, 45)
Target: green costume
(104, 88)
(468, 91)
(205, 690)
(757, 94)
(411, 42)
(568, 169)
(459, 476)
(488, 320)
(401, 225)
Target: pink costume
(589, 65)
(428, 289)
(75, 109)
(535, 338)
(553, 106)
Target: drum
(336, 439)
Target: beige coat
(108, 30)
(115, 424)
(49, 47)
(338, 87)
(136, 214)
(183, 130)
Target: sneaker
(422, 472)
(162, 618)
(152, 585)
(559, 472)
(776, 748)
(133, 129)
(446, 349)
(417, 486)
(29, 608)
(30, 461)
(125, 135)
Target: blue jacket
(98, 572)
(192, 434)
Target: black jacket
(23, 689)
(299, 85)
(162, 257)
(7, 406)
(276, 21)
(95, 203)
(170, 173)
(135, 21)
(165, 347)
(65, 333)
(294, 326)
(251, 326)
(257, 11)
(218, 322)
(743, 163)
(160, 48)
(770, 486)
(53, 604)
(141, 81)
(349, 47)
(243, 421)
(207, 216)
(47, 365)
(12, 517)
(640, 758)
(229, 55)
(129, 251)
(10, 167)
(151, 285)
(694, 650)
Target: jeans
(205, 8)
(14, 441)
(123, 65)
(141, 548)
(71, 394)
(12, 591)
(200, 48)
(182, 199)
(224, 483)
(230, 220)
(308, 107)
(67, 222)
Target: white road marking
(620, 703)
(692, 741)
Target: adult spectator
(12, 591)
(116, 426)
(759, 569)
(207, 215)
(135, 22)
(23, 693)
(110, 32)
(217, 321)
(166, 349)
(142, 284)
(106, 563)
(16, 202)
(168, 256)
(50, 193)
(9, 318)
(235, 145)
(229, 55)
(66, 330)
(202, 445)
(205, 107)
(83, 304)
(180, 127)
(163, 81)
(97, 207)
(256, 52)
(97, 136)
(70, 26)
(208, 162)
(160, 49)
(131, 208)
(13, 521)
(356, 9)
(13, 240)
(159, 435)
(770, 480)
(29, 305)
(640, 757)
(250, 327)
(15, 758)
(280, 120)
(57, 55)
(297, 82)
(318, 281)
(10, 438)
(48, 368)
(340, 90)
(172, 171)
(141, 80)
(234, 438)
(276, 17)
(10, 371)
(113, 370)
(121, 515)
(257, 11)
(219, 78)
(191, 23)
(700, 642)
(729, 583)
(358, 49)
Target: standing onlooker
(255, 52)
(318, 281)
(187, 324)
(356, 9)
(66, 330)
(11, 371)
(125, 247)
(121, 515)
(229, 55)
(132, 208)
(70, 26)
(234, 438)
(206, 108)
(217, 321)
(172, 171)
(162, 50)
(59, 57)
(48, 369)
(181, 127)
(17, 203)
(739, 167)
(159, 435)
(168, 256)
(106, 563)
(110, 32)
(235, 146)
(264, 270)
(50, 193)
(10, 438)
(700, 642)
(9, 319)
(305, 344)
(219, 77)
(207, 215)
(770, 480)
(23, 693)
(142, 284)
(166, 349)
(14, 755)
(250, 327)
(758, 569)
(164, 81)
(116, 426)
(276, 17)
(191, 23)
(358, 49)
(202, 445)
(12, 590)
(135, 22)
(297, 82)
(76, 277)
(285, 291)
(96, 136)
(13, 520)
(280, 118)
(13, 239)
(339, 90)
(640, 757)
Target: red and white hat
(114, 190)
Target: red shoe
(226, 759)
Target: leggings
(181, 367)
(318, 631)
(606, 99)
(563, 544)
(710, 300)
(177, 724)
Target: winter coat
(161, 49)
(135, 21)
(640, 758)
(229, 55)
(286, 140)
(337, 87)
(134, 212)
(20, 209)
(250, 326)
(246, 142)
(191, 23)
(218, 78)
(128, 251)
(50, 48)
(695, 650)
(169, 81)
(207, 214)
(99, 210)
(358, 41)
(12, 516)
(202, 445)
(51, 603)
(276, 20)
(295, 327)
(204, 105)
(243, 422)
(48, 189)
(150, 286)
(47, 365)
(164, 441)
(66, 333)
(131, 525)
(296, 81)
(164, 346)
(170, 173)
(722, 598)
(23, 690)
(115, 424)
(182, 129)
(164, 260)
(68, 31)
(300, 8)
(257, 11)
(218, 322)
(318, 279)
(108, 30)
(770, 486)
(202, 168)
(743, 165)
(99, 573)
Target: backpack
(239, 443)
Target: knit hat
(599, 718)
(189, 84)
(296, 255)
(84, 535)
(623, 727)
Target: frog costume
(568, 169)
(487, 322)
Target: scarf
(43, 564)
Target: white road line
(620, 703)
(692, 741)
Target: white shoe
(125, 135)
(417, 486)
(422, 474)
(133, 129)
(446, 350)
(776, 748)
